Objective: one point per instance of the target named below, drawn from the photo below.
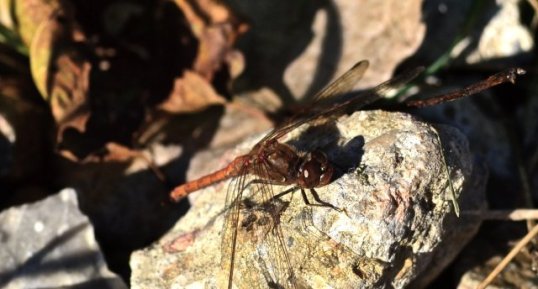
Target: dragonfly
(272, 162)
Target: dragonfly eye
(309, 173)
(315, 171)
(326, 168)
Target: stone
(392, 223)
(291, 58)
(50, 244)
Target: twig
(508, 75)
(504, 215)
(532, 233)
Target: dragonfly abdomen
(233, 169)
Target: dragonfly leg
(320, 202)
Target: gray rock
(50, 244)
(482, 255)
(495, 37)
(395, 226)
(487, 134)
(293, 57)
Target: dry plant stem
(532, 233)
(154, 168)
(504, 215)
(508, 75)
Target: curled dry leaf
(217, 29)
(60, 72)
(191, 93)
(117, 153)
(30, 14)
(5, 17)
(215, 49)
(112, 152)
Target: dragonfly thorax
(277, 162)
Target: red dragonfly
(272, 162)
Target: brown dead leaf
(60, 72)
(120, 153)
(204, 13)
(112, 152)
(30, 14)
(217, 29)
(116, 153)
(191, 93)
(215, 44)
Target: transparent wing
(277, 264)
(345, 82)
(322, 109)
(253, 249)
(234, 195)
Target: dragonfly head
(315, 170)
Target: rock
(293, 57)
(503, 36)
(481, 127)
(496, 238)
(50, 244)
(127, 202)
(495, 35)
(393, 225)
(486, 251)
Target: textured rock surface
(50, 244)
(495, 32)
(398, 226)
(482, 255)
(294, 56)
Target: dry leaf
(60, 73)
(191, 93)
(217, 29)
(30, 14)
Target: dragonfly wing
(253, 250)
(356, 101)
(345, 82)
(234, 195)
(353, 101)
(341, 85)
(397, 82)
